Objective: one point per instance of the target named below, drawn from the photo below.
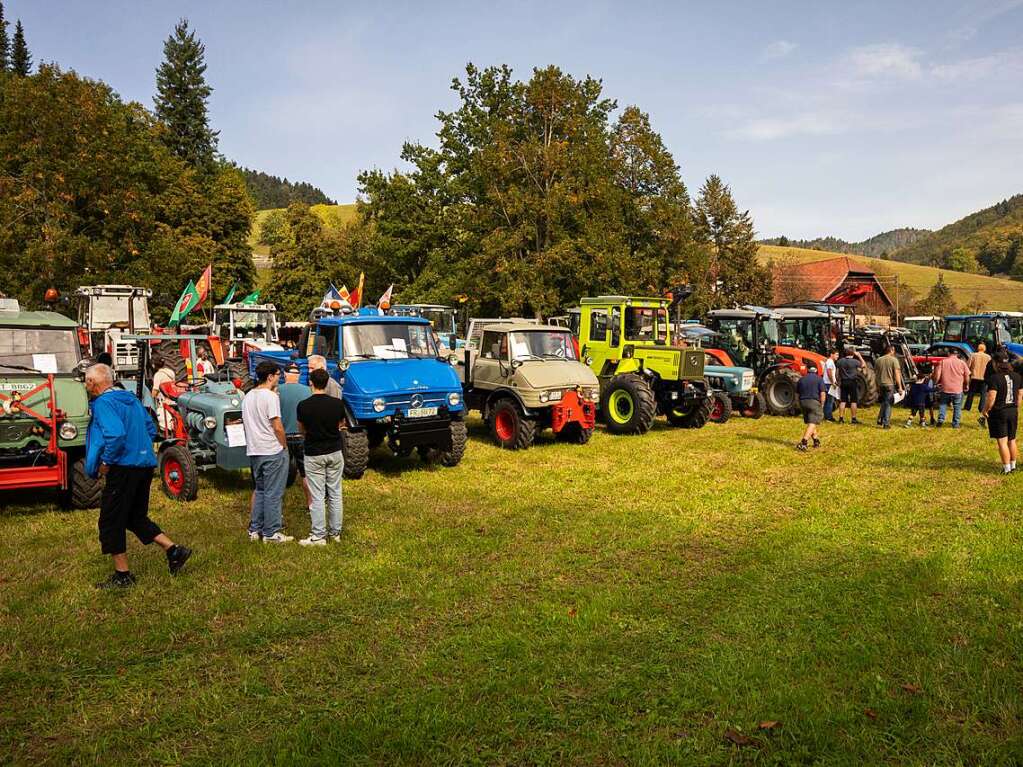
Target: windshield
(737, 336)
(545, 344)
(107, 310)
(806, 333)
(387, 341)
(49, 351)
(646, 324)
(1015, 329)
(252, 324)
(954, 330)
(443, 320)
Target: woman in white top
(164, 374)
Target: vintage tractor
(626, 342)
(106, 313)
(44, 409)
(734, 387)
(525, 377)
(993, 328)
(749, 337)
(398, 386)
(243, 329)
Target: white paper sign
(899, 396)
(235, 435)
(520, 349)
(45, 363)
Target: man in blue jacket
(120, 448)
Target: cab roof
(44, 319)
(605, 300)
(512, 326)
(370, 319)
(793, 313)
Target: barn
(835, 281)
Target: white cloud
(773, 128)
(779, 49)
(884, 61)
(1005, 63)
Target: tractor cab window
(806, 333)
(443, 320)
(737, 338)
(542, 344)
(598, 325)
(646, 324)
(253, 324)
(40, 349)
(616, 326)
(954, 330)
(979, 330)
(494, 345)
(388, 341)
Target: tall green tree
(21, 59)
(939, 300)
(738, 277)
(182, 95)
(5, 43)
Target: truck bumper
(418, 432)
(573, 409)
(38, 475)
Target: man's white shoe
(278, 537)
(334, 538)
(313, 542)
(255, 535)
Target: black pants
(125, 506)
(977, 386)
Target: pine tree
(5, 43)
(21, 59)
(939, 300)
(181, 98)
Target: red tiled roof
(823, 278)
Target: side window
(326, 341)
(598, 325)
(616, 326)
(494, 345)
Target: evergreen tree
(181, 98)
(939, 300)
(5, 43)
(21, 59)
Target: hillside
(274, 192)
(332, 215)
(991, 292)
(992, 235)
(876, 246)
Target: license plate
(421, 412)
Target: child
(921, 397)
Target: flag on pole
(332, 294)
(203, 285)
(230, 294)
(188, 301)
(345, 295)
(252, 298)
(385, 299)
(356, 299)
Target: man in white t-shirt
(831, 379)
(204, 364)
(266, 445)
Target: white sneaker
(255, 536)
(313, 542)
(278, 537)
(334, 537)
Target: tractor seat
(172, 390)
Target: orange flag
(356, 299)
(203, 285)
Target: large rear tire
(779, 390)
(866, 386)
(756, 408)
(240, 373)
(178, 474)
(510, 427)
(355, 449)
(628, 405)
(721, 408)
(693, 415)
(83, 492)
(170, 351)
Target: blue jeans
(323, 473)
(886, 398)
(956, 400)
(270, 476)
(829, 407)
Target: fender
(628, 365)
(505, 392)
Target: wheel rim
(782, 395)
(718, 410)
(620, 406)
(504, 425)
(173, 476)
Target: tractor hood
(734, 380)
(555, 373)
(384, 377)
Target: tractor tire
(83, 491)
(510, 427)
(721, 408)
(178, 474)
(866, 386)
(355, 449)
(170, 351)
(779, 390)
(628, 405)
(756, 408)
(240, 372)
(459, 437)
(694, 416)
(575, 434)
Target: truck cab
(108, 312)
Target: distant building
(836, 281)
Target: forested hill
(878, 246)
(992, 236)
(273, 192)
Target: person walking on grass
(952, 378)
(889, 381)
(978, 363)
(811, 390)
(921, 398)
(319, 418)
(1001, 407)
(848, 372)
(831, 380)
(267, 448)
(119, 447)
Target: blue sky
(824, 117)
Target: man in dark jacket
(119, 447)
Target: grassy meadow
(695, 597)
(332, 215)
(967, 289)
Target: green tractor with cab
(626, 341)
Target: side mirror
(452, 342)
(516, 364)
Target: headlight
(544, 396)
(378, 404)
(68, 430)
(454, 398)
(343, 365)
(209, 422)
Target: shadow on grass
(772, 440)
(981, 464)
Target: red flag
(345, 295)
(356, 299)
(203, 285)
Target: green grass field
(638, 600)
(332, 215)
(992, 292)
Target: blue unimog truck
(397, 386)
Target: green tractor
(44, 410)
(627, 343)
